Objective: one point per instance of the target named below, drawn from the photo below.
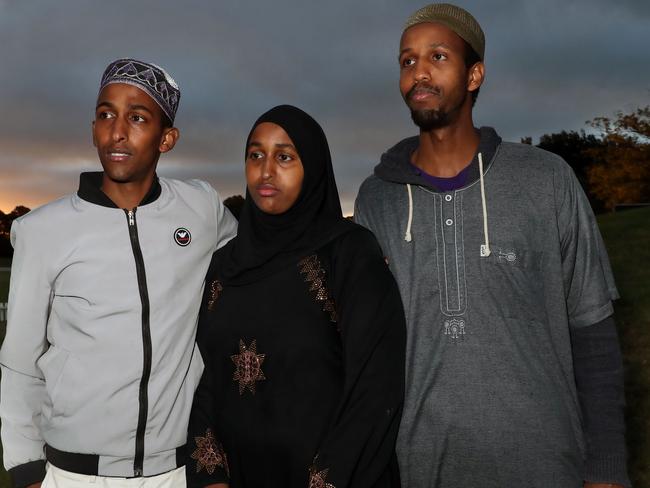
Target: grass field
(627, 236)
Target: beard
(428, 120)
(435, 118)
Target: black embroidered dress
(283, 385)
(303, 337)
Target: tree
(620, 172)
(6, 251)
(574, 148)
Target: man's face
(128, 133)
(433, 76)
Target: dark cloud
(552, 65)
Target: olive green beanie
(457, 19)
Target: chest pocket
(513, 276)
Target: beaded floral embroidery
(215, 290)
(318, 479)
(209, 454)
(248, 366)
(315, 275)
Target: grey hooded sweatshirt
(491, 282)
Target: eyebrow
(434, 45)
(104, 103)
(280, 145)
(140, 107)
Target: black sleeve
(27, 474)
(598, 368)
(207, 462)
(359, 445)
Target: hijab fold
(266, 243)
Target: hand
(35, 485)
(218, 485)
(601, 485)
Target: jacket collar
(90, 189)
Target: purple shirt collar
(444, 184)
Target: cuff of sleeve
(200, 480)
(593, 316)
(607, 468)
(28, 473)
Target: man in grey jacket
(513, 374)
(98, 364)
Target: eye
(408, 62)
(255, 155)
(137, 118)
(105, 115)
(439, 56)
(285, 158)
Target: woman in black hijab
(302, 332)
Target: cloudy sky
(551, 65)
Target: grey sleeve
(22, 388)
(226, 223)
(598, 368)
(360, 214)
(587, 274)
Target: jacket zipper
(143, 396)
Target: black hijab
(266, 243)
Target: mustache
(423, 87)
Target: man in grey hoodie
(513, 374)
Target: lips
(267, 190)
(118, 155)
(420, 93)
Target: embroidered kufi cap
(457, 19)
(150, 78)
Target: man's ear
(168, 140)
(94, 137)
(476, 76)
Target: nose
(421, 73)
(119, 129)
(268, 168)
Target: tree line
(5, 226)
(611, 161)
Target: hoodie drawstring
(485, 248)
(407, 236)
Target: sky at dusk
(551, 65)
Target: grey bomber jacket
(99, 361)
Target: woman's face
(274, 172)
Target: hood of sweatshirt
(395, 165)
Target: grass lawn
(627, 236)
